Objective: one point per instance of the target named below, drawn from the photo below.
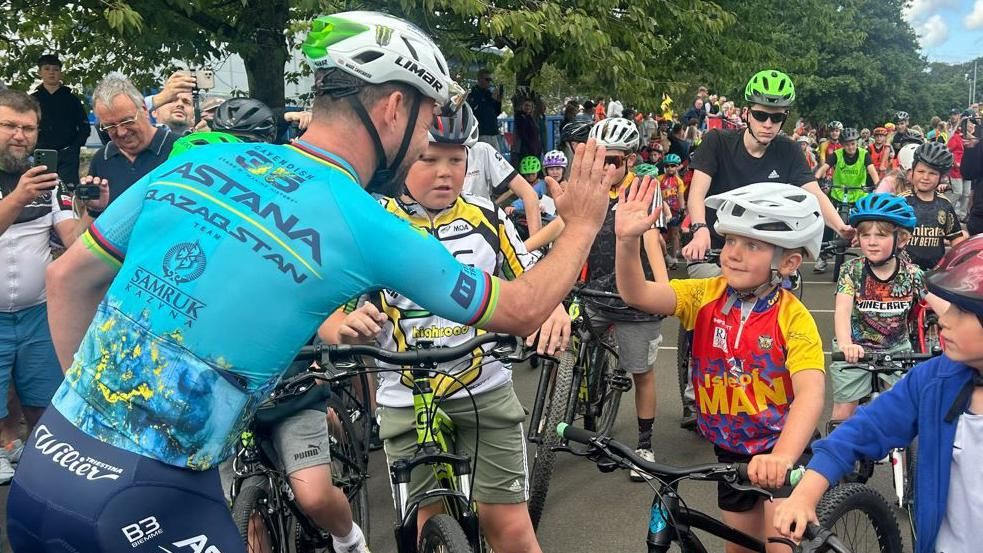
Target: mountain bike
(925, 329)
(902, 459)
(455, 530)
(584, 383)
(263, 505)
(671, 520)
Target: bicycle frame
(435, 433)
(675, 523)
(589, 345)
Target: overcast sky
(949, 30)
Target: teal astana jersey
(229, 257)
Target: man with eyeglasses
(30, 207)
(727, 160)
(65, 125)
(136, 147)
(486, 105)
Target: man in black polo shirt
(64, 124)
(136, 147)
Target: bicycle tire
(683, 354)
(844, 507)
(442, 534)
(347, 467)
(250, 500)
(608, 396)
(545, 457)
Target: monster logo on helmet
(350, 50)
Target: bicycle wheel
(861, 517)
(555, 412)
(253, 519)
(442, 534)
(347, 467)
(609, 392)
(683, 353)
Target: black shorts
(736, 501)
(74, 493)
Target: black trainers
(688, 421)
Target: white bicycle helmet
(616, 133)
(379, 48)
(780, 214)
(906, 156)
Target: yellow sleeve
(805, 347)
(690, 293)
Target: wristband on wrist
(693, 227)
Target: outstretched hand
(635, 213)
(584, 200)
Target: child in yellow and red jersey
(758, 366)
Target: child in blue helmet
(674, 196)
(874, 296)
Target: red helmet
(958, 277)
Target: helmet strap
(382, 179)
(774, 281)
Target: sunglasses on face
(614, 160)
(762, 116)
(671, 166)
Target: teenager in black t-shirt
(730, 159)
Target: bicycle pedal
(620, 383)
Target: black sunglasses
(671, 166)
(762, 116)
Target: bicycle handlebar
(419, 357)
(883, 360)
(815, 538)
(727, 472)
(592, 293)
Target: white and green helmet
(379, 48)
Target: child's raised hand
(633, 216)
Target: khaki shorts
(501, 474)
(852, 384)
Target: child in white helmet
(758, 366)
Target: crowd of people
(130, 364)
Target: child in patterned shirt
(874, 296)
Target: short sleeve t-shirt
(743, 361)
(935, 222)
(879, 319)
(724, 158)
(488, 172)
(24, 246)
(964, 508)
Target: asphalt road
(594, 512)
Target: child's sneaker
(6, 471)
(12, 451)
(638, 476)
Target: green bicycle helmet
(645, 170)
(770, 88)
(530, 164)
(185, 143)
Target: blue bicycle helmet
(883, 207)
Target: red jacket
(955, 146)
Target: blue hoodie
(915, 406)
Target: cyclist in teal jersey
(187, 298)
